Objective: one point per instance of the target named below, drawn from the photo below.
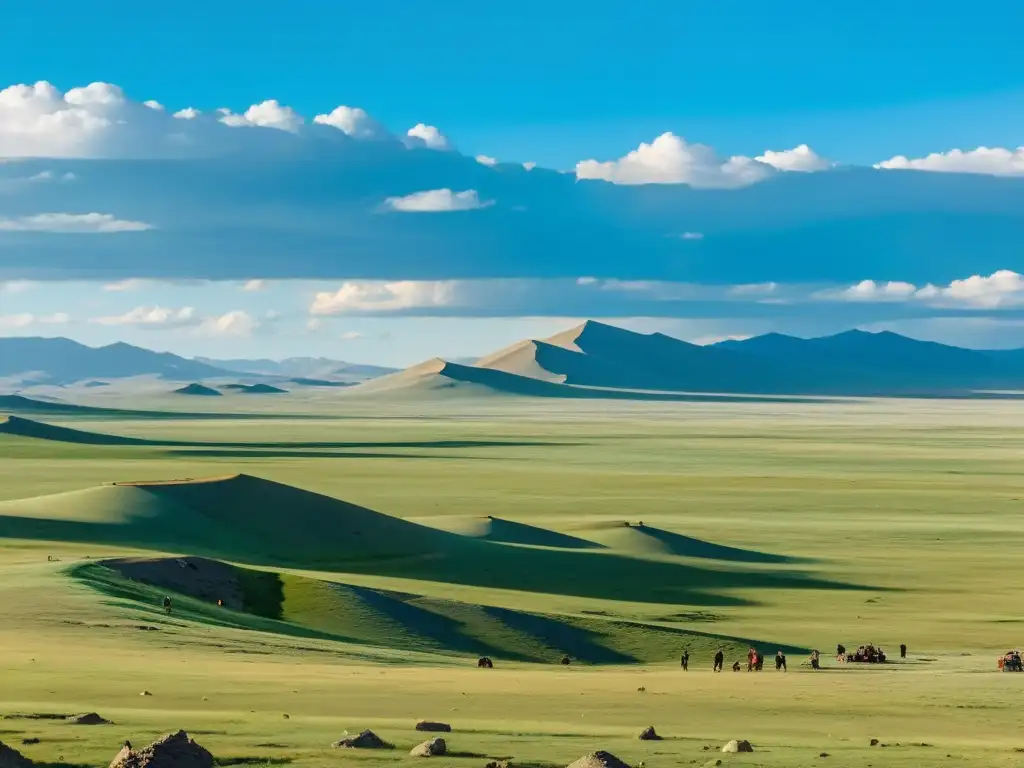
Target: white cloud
(437, 201)
(16, 286)
(84, 223)
(1000, 289)
(421, 135)
(131, 284)
(154, 317)
(188, 113)
(153, 104)
(993, 161)
(529, 165)
(692, 236)
(586, 280)
(237, 323)
(669, 159)
(25, 319)
(373, 296)
(486, 160)
(253, 286)
(354, 122)
(868, 290)
(801, 158)
(351, 335)
(268, 114)
(1003, 288)
(754, 289)
(314, 324)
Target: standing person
(903, 650)
(684, 661)
(719, 660)
(751, 659)
(815, 663)
(780, 662)
(167, 604)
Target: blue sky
(689, 155)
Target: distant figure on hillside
(167, 604)
(735, 666)
(719, 660)
(841, 652)
(759, 664)
(485, 663)
(780, 662)
(815, 663)
(903, 650)
(220, 603)
(684, 661)
(565, 661)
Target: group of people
(755, 661)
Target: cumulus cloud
(236, 323)
(1003, 288)
(486, 160)
(131, 284)
(372, 296)
(188, 113)
(351, 335)
(268, 114)
(428, 136)
(26, 319)
(670, 159)
(153, 317)
(869, 290)
(354, 122)
(991, 161)
(437, 201)
(82, 223)
(801, 158)
(253, 286)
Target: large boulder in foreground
(12, 758)
(432, 727)
(738, 745)
(433, 748)
(176, 750)
(365, 740)
(599, 759)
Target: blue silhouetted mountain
(600, 360)
(63, 361)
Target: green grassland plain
(907, 513)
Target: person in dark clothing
(759, 663)
(903, 651)
(735, 666)
(841, 652)
(719, 660)
(565, 661)
(167, 604)
(780, 662)
(815, 664)
(684, 661)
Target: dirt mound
(740, 745)
(209, 580)
(649, 734)
(365, 740)
(12, 758)
(89, 718)
(432, 727)
(599, 759)
(197, 389)
(433, 748)
(175, 750)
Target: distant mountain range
(594, 359)
(302, 367)
(60, 361)
(63, 361)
